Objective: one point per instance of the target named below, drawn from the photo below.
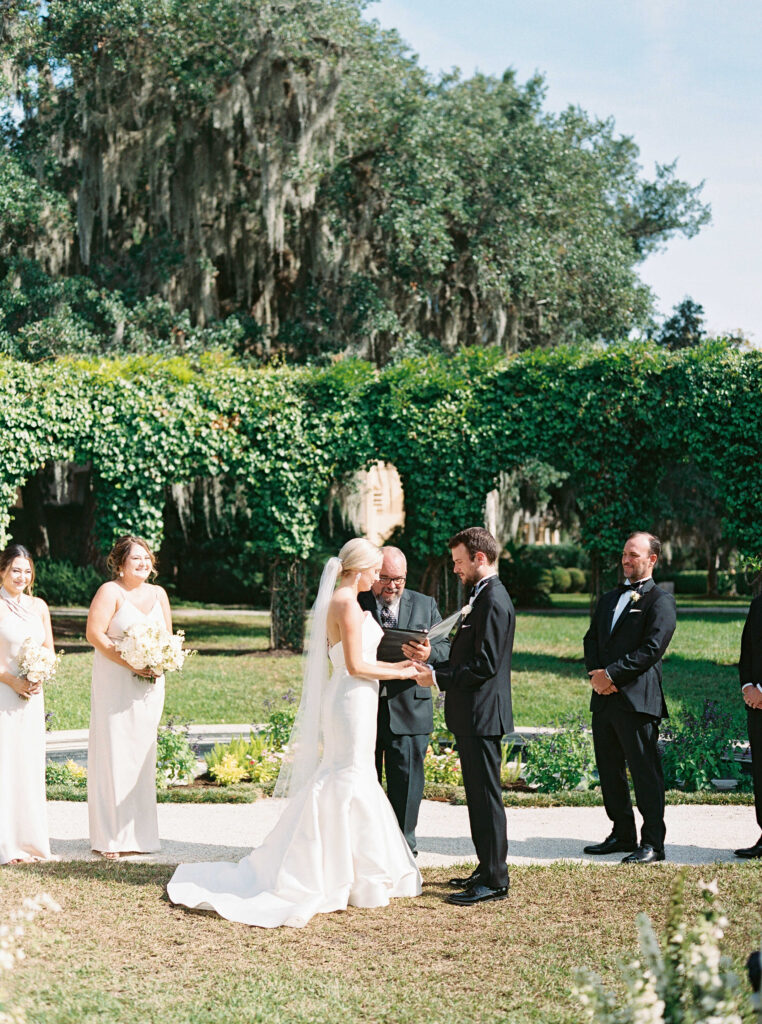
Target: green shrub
(562, 581)
(439, 731)
(263, 762)
(280, 720)
(563, 555)
(175, 758)
(690, 581)
(578, 580)
(562, 760)
(443, 767)
(254, 760)
(699, 748)
(61, 583)
(740, 581)
(528, 583)
(226, 769)
(67, 774)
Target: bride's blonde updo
(358, 554)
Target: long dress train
(121, 759)
(23, 812)
(337, 843)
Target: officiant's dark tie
(388, 618)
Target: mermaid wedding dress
(337, 843)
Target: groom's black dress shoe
(464, 883)
(644, 854)
(750, 852)
(478, 893)
(612, 844)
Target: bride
(337, 842)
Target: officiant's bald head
(391, 579)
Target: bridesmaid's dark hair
(121, 549)
(16, 551)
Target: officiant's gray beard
(389, 599)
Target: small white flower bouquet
(148, 645)
(37, 663)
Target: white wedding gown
(337, 843)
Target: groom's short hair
(476, 538)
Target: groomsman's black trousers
(754, 719)
(402, 756)
(628, 739)
(480, 764)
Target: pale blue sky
(682, 77)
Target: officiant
(405, 710)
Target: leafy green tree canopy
(285, 176)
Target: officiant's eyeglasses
(395, 581)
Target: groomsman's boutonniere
(465, 610)
(635, 596)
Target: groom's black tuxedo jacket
(476, 678)
(410, 706)
(632, 651)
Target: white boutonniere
(465, 611)
(635, 597)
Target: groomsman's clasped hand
(601, 682)
(752, 697)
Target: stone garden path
(199, 832)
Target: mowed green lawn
(234, 676)
(120, 953)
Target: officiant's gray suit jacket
(410, 705)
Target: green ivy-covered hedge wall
(277, 438)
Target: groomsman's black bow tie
(621, 587)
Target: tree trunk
(36, 521)
(711, 571)
(595, 581)
(431, 578)
(287, 604)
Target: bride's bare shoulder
(344, 603)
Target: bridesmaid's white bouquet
(148, 645)
(37, 663)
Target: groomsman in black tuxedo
(624, 646)
(476, 680)
(750, 671)
(405, 717)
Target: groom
(476, 680)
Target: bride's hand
(407, 670)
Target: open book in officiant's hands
(390, 647)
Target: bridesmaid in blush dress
(23, 814)
(125, 711)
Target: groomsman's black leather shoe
(644, 854)
(464, 883)
(750, 852)
(478, 893)
(612, 844)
